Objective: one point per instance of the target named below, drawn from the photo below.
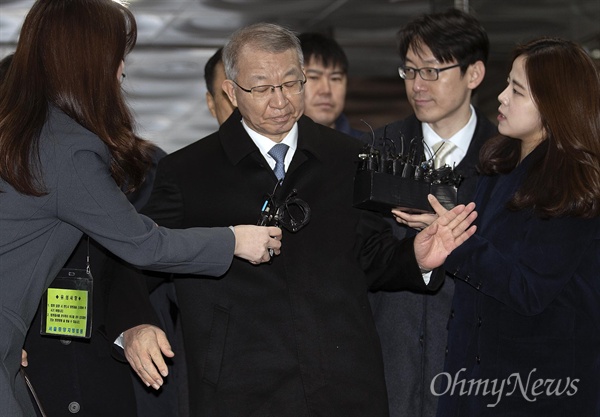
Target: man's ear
(229, 88)
(475, 74)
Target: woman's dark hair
(68, 56)
(565, 86)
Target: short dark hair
(209, 70)
(451, 35)
(323, 48)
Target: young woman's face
(518, 115)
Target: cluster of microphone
(409, 163)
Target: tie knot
(441, 152)
(278, 153)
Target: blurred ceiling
(176, 37)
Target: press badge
(67, 304)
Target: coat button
(478, 359)
(452, 314)
(478, 286)
(467, 278)
(446, 350)
(74, 407)
(65, 341)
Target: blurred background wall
(165, 72)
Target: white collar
(264, 144)
(461, 139)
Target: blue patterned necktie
(278, 153)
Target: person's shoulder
(195, 151)
(158, 154)
(401, 125)
(62, 130)
(336, 140)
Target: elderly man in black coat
(294, 337)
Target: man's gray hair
(266, 37)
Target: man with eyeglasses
(295, 337)
(443, 62)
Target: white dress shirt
(265, 144)
(461, 140)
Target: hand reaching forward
(144, 347)
(257, 243)
(434, 243)
(414, 221)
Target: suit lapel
(310, 144)
(236, 142)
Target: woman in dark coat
(524, 332)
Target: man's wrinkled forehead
(248, 61)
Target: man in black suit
(443, 62)
(294, 337)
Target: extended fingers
(144, 348)
(146, 370)
(452, 218)
(139, 368)
(436, 205)
(465, 226)
(463, 219)
(416, 221)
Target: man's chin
(425, 115)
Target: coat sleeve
(89, 199)
(390, 264)
(528, 268)
(128, 302)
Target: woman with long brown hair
(67, 146)
(524, 332)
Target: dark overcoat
(295, 337)
(524, 333)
